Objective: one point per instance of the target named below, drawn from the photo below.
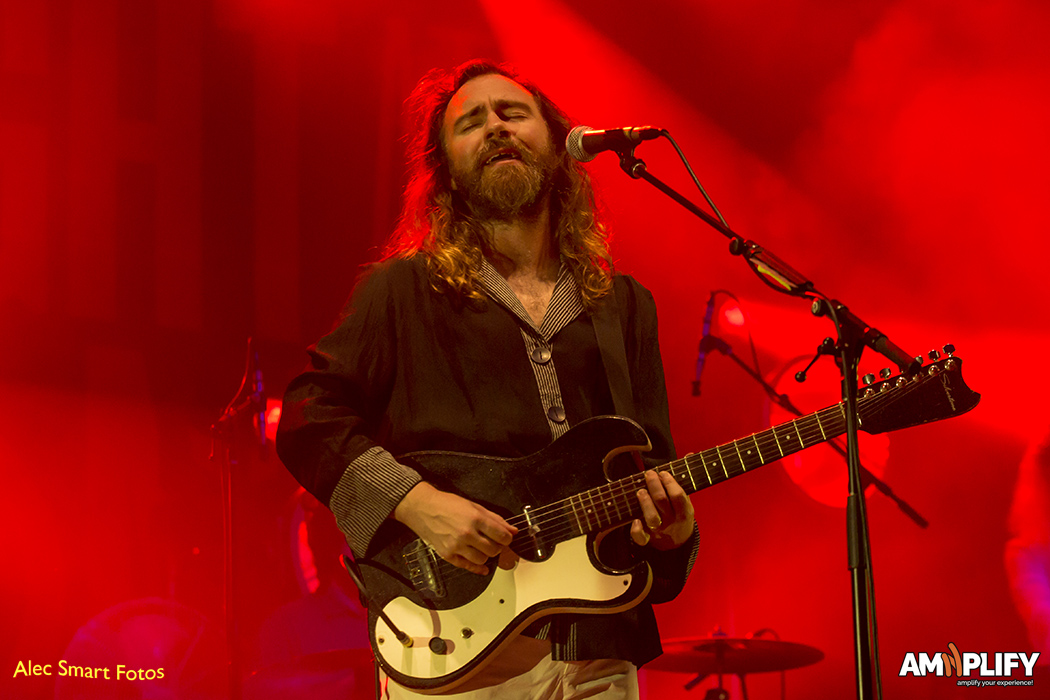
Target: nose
(496, 125)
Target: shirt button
(541, 355)
(556, 414)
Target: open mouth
(502, 155)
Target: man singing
(493, 326)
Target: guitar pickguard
(565, 582)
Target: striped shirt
(408, 368)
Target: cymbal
(730, 656)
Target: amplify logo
(963, 665)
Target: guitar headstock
(935, 392)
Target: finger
(650, 515)
(508, 559)
(483, 546)
(477, 554)
(679, 499)
(464, 563)
(671, 485)
(496, 529)
(654, 483)
(639, 534)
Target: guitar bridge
(422, 563)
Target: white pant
(525, 671)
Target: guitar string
(624, 489)
(565, 511)
(632, 484)
(601, 496)
(628, 487)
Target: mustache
(504, 144)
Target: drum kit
(720, 655)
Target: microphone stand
(853, 335)
(247, 405)
(867, 478)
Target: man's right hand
(462, 532)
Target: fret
(603, 502)
(685, 461)
(773, 449)
(706, 470)
(822, 434)
(718, 450)
(590, 510)
(776, 440)
(739, 456)
(576, 513)
(603, 506)
(612, 506)
(708, 462)
(801, 442)
(789, 435)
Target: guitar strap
(607, 330)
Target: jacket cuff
(672, 568)
(367, 493)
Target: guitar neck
(616, 503)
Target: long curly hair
(436, 224)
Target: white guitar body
(561, 505)
(565, 582)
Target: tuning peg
(885, 372)
(949, 349)
(868, 379)
(919, 359)
(934, 355)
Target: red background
(176, 175)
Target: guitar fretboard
(616, 503)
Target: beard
(508, 190)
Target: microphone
(701, 356)
(585, 143)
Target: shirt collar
(565, 304)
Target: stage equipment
(433, 625)
(247, 406)
(852, 335)
(584, 143)
(720, 655)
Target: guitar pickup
(422, 562)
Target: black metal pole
(853, 335)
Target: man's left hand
(667, 513)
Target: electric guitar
(452, 621)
